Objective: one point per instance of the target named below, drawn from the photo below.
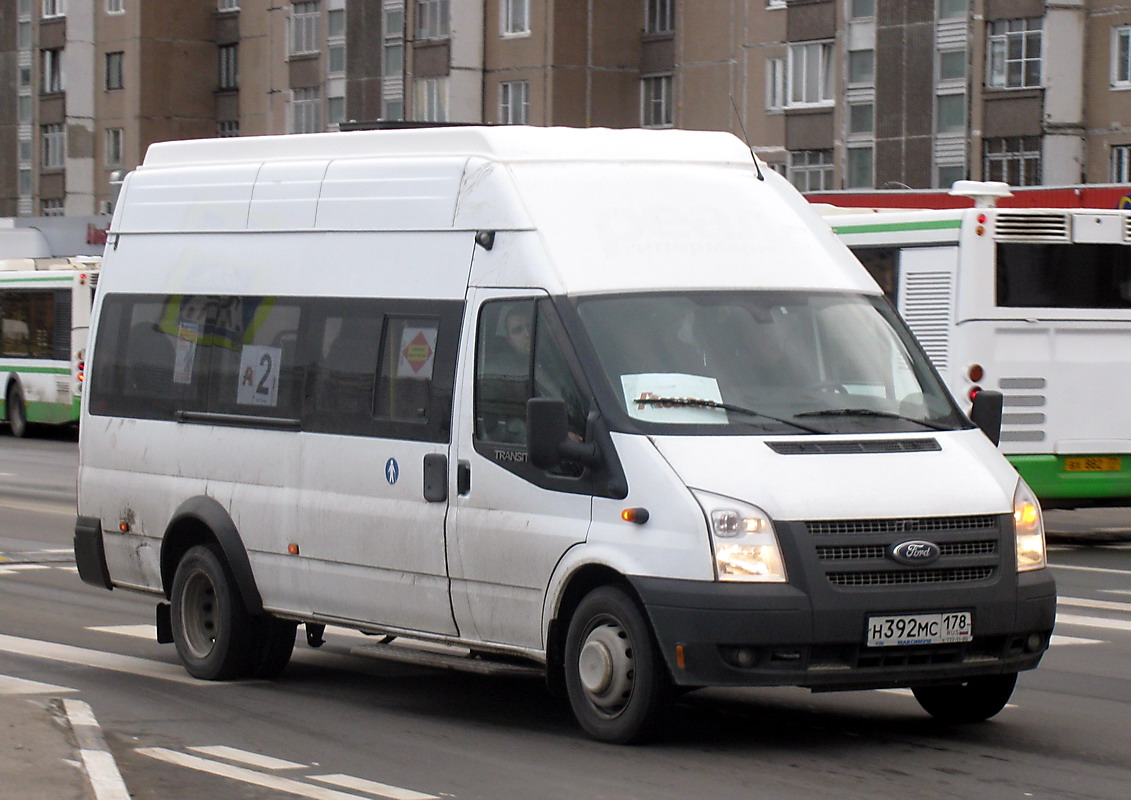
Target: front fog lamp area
(743, 540)
(1029, 528)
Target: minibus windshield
(765, 361)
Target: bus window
(1063, 275)
(882, 264)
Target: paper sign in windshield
(259, 376)
(672, 397)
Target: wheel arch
(580, 582)
(202, 520)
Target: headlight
(1029, 529)
(743, 540)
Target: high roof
(498, 143)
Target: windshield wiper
(868, 412)
(696, 402)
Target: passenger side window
(408, 358)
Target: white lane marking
(100, 766)
(373, 787)
(10, 684)
(1093, 622)
(288, 785)
(1072, 640)
(1092, 569)
(141, 631)
(67, 654)
(244, 757)
(1104, 605)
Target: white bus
(44, 324)
(1034, 303)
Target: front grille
(908, 577)
(876, 551)
(837, 527)
(851, 447)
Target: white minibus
(45, 308)
(616, 406)
(1032, 302)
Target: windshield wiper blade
(868, 412)
(697, 402)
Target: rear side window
(329, 365)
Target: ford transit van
(615, 406)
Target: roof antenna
(746, 139)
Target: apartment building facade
(833, 93)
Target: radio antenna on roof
(746, 139)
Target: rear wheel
(215, 636)
(974, 700)
(17, 413)
(615, 678)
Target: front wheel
(973, 700)
(615, 678)
(215, 636)
(17, 413)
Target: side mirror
(547, 435)
(986, 413)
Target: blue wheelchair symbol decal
(392, 471)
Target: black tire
(616, 680)
(974, 700)
(215, 636)
(17, 413)
(275, 641)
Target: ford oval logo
(916, 553)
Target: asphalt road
(340, 726)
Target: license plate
(1093, 464)
(909, 629)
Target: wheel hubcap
(199, 614)
(605, 667)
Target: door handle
(435, 477)
(463, 478)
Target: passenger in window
(517, 324)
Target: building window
(52, 72)
(53, 8)
(114, 70)
(1121, 56)
(952, 65)
(809, 77)
(1014, 159)
(1121, 163)
(861, 118)
(861, 66)
(23, 108)
(335, 110)
(304, 28)
(228, 127)
(950, 113)
(114, 147)
(393, 109)
(1014, 53)
(23, 35)
(432, 19)
(51, 207)
(659, 16)
(952, 9)
(514, 102)
(811, 170)
(394, 59)
(432, 100)
(861, 9)
(305, 108)
(115, 6)
(775, 84)
(336, 42)
(227, 5)
(656, 94)
(25, 180)
(949, 173)
(229, 66)
(860, 174)
(54, 146)
(516, 17)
